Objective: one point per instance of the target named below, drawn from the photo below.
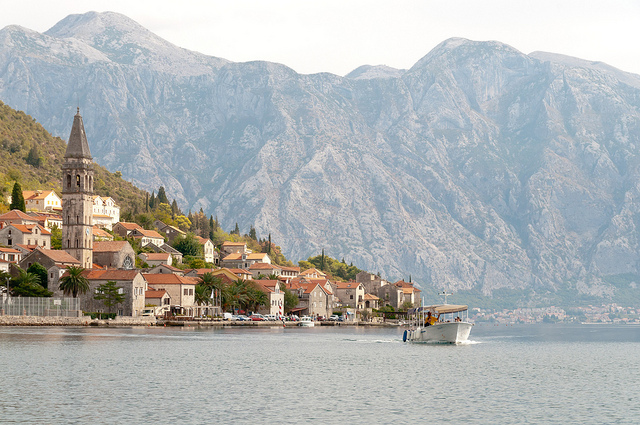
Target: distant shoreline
(143, 322)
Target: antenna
(445, 295)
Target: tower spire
(78, 146)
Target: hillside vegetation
(33, 157)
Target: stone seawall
(44, 321)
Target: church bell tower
(77, 196)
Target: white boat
(306, 322)
(440, 323)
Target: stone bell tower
(77, 196)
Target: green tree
(188, 245)
(39, 270)
(56, 237)
(290, 298)
(17, 200)
(73, 282)
(252, 233)
(162, 196)
(152, 200)
(33, 157)
(202, 295)
(109, 294)
(28, 285)
(256, 297)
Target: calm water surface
(507, 375)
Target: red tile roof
(59, 256)
(169, 279)
(154, 293)
(94, 274)
(16, 215)
(129, 226)
(109, 246)
(157, 256)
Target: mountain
(480, 168)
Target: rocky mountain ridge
(478, 168)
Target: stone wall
(44, 321)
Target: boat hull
(448, 332)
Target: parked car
(257, 317)
(334, 318)
(241, 318)
(270, 317)
(227, 316)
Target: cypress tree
(269, 248)
(322, 261)
(162, 196)
(17, 200)
(237, 229)
(152, 201)
(252, 233)
(175, 210)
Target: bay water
(524, 374)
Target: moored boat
(306, 322)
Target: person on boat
(430, 319)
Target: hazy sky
(339, 35)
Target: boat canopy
(443, 308)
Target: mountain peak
(370, 72)
(461, 48)
(125, 41)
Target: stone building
(55, 261)
(77, 196)
(31, 235)
(114, 255)
(181, 289)
(130, 283)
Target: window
(186, 291)
(78, 180)
(9, 242)
(350, 297)
(190, 291)
(121, 291)
(68, 180)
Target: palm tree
(256, 297)
(215, 285)
(73, 282)
(238, 294)
(28, 285)
(202, 295)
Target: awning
(298, 309)
(443, 308)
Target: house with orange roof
(101, 235)
(54, 260)
(156, 258)
(289, 273)
(163, 268)
(181, 289)
(275, 305)
(147, 236)
(312, 273)
(238, 260)
(17, 217)
(130, 283)
(229, 247)
(399, 293)
(242, 273)
(25, 234)
(41, 200)
(351, 294)
(157, 298)
(264, 269)
(371, 301)
(47, 219)
(124, 229)
(313, 298)
(226, 275)
(114, 255)
(10, 255)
